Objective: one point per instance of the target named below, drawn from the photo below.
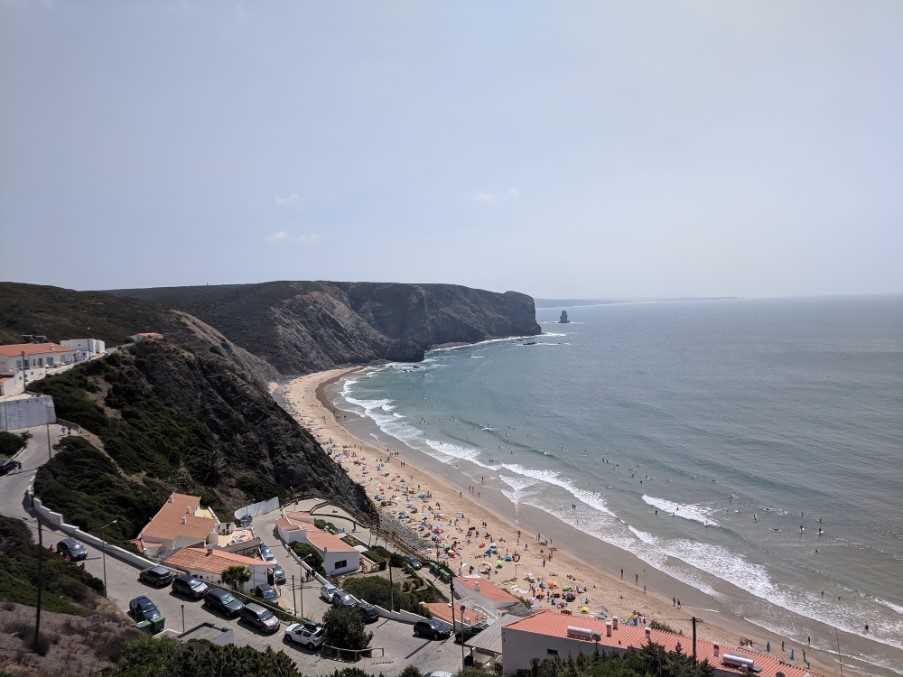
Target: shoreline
(592, 564)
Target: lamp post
(103, 555)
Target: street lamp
(103, 555)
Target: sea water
(752, 449)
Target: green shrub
(344, 629)
(376, 590)
(310, 555)
(10, 443)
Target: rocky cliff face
(300, 327)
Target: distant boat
(528, 343)
(564, 317)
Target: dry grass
(69, 645)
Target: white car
(327, 592)
(309, 635)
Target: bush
(311, 556)
(344, 629)
(376, 590)
(411, 671)
(10, 443)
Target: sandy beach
(527, 563)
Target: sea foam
(694, 512)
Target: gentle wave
(696, 513)
(554, 478)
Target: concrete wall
(12, 385)
(519, 649)
(352, 561)
(258, 508)
(26, 412)
(56, 520)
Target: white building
(26, 411)
(12, 384)
(209, 564)
(549, 634)
(34, 358)
(338, 556)
(481, 593)
(85, 348)
(180, 522)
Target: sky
(563, 149)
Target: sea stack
(564, 317)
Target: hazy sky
(558, 148)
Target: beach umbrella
(499, 564)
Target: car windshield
(146, 604)
(225, 599)
(195, 583)
(265, 615)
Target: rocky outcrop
(300, 327)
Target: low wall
(57, 521)
(258, 508)
(26, 412)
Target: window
(341, 564)
(552, 652)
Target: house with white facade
(549, 634)
(33, 359)
(209, 564)
(338, 556)
(85, 348)
(180, 522)
(481, 593)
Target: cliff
(299, 327)
(170, 418)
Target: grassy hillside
(170, 418)
(300, 327)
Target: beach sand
(597, 578)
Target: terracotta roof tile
(210, 560)
(176, 517)
(17, 349)
(486, 589)
(442, 611)
(323, 541)
(550, 623)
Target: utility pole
(183, 619)
(693, 619)
(294, 600)
(391, 588)
(103, 555)
(49, 447)
(37, 624)
(463, 609)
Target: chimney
(717, 649)
(608, 629)
(648, 633)
(614, 623)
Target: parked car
(142, 609)
(439, 673)
(223, 601)
(278, 575)
(340, 598)
(72, 550)
(368, 612)
(327, 592)
(260, 618)
(266, 592)
(189, 586)
(245, 521)
(432, 629)
(8, 466)
(414, 563)
(158, 576)
(306, 634)
(267, 553)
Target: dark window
(552, 652)
(341, 564)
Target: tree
(344, 629)
(236, 576)
(310, 555)
(411, 671)
(10, 443)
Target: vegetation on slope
(173, 419)
(651, 659)
(67, 587)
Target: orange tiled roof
(550, 623)
(17, 349)
(176, 518)
(303, 517)
(210, 560)
(442, 611)
(486, 589)
(323, 541)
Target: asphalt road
(401, 648)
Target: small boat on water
(528, 343)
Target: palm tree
(236, 576)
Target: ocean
(750, 449)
